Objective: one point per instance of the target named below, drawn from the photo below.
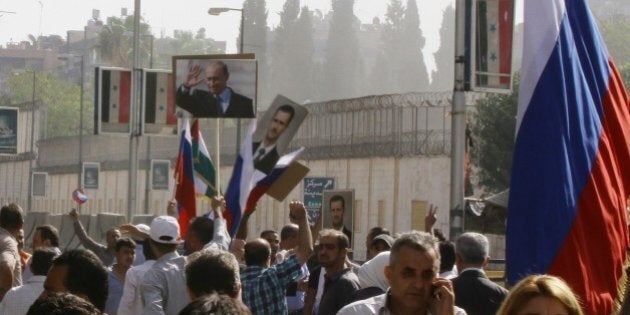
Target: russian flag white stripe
(540, 38)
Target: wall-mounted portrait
(216, 85)
(159, 174)
(91, 172)
(8, 130)
(338, 211)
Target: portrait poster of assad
(8, 130)
(90, 175)
(338, 211)
(274, 131)
(159, 174)
(216, 86)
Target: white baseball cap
(165, 229)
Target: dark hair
(447, 256)
(338, 198)
(146, 249)
(420, 241)
(210, 271)
(289, 231)
(11, 216)
(257, 253)
(49, 232)
(42, 260)
(203, 227)
(263, 233)
(342, 238)
(163, 247)
(287, 109)
(376, 231)
(62, 303)
(86, 275)
(125, 242)
(215, 304)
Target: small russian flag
(79, 197)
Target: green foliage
(60, 99)
(255, 41)
(493, 126)
(615, 30)
(116, 41)
(624, 70)
(342, 52)
(442, 76)
(401, 50)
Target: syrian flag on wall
(205, 172)
(494, 41)
(114, 95)
(159, 98)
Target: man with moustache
(340, 282)
(337, 210)
(413, 284)
(266, 154)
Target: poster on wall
(8, 130)
(338, 211)
(159, 174)
(91, 172)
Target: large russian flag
(568, 191)
(184, 175)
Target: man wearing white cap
(131, 300)
(164, 285)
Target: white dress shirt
(131, 300)
(18, 300)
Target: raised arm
(86, 241)
(297, 213)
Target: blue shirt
(115, 290)
(264, 288)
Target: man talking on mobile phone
(414, 288)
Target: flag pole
(217, 154)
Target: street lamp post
(217, 11)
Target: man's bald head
(257, 252)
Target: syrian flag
(159, 98)
(205, 172)
(569, 180)
(184, 176)
(494, 43)
(115, 95)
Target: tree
(624, 70)
(116, 41)
(442, 77)
(493, 126)
(615, 30)
(292, 53)
(415, 76)
(342, 52)
(255, 41)
(61, 101)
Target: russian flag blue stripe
(567, 194)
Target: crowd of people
(150, 269)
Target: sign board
(313, 193)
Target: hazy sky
(48, 17)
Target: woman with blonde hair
(541, 294)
